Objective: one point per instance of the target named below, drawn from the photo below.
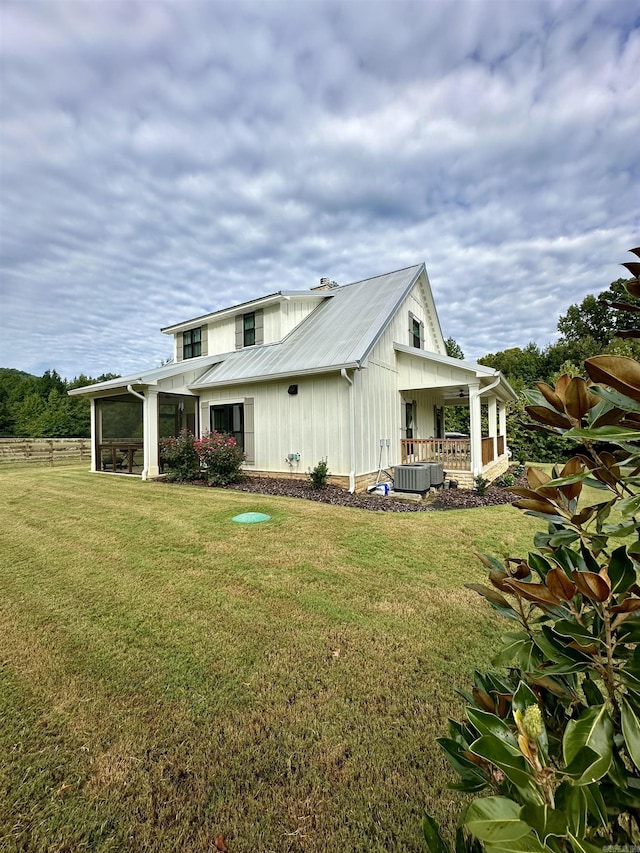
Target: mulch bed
(444, 499)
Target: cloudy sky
(160, 160)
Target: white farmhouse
(354, 374)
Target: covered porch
(431, 386)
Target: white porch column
(502, 414)
(150, 433)
(493, 423)
(475, 426)
(94, 435)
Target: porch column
(150, 433)
(94, 435)
(502, 414)
(475, 426)
(492, 415)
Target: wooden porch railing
(500, 445)
(487, 451)
(454, 453)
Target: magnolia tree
(551, 738)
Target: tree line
(39, 406)
(596, 325)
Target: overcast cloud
(163, 160)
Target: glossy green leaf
(495, 819)
(572, 801)
(432, 837)
(631, 731)
(513, 645)
(472, 776)
(592, 729)
(622, 572)
(510, 761)
(579, 845)
(616, 398)
(595, 805)
(545, 821)
(490, 724)
(603, 433)
(527, 844)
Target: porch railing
(487, 451)
(454, 453)
(500, 445)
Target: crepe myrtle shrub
(179, 457)
(220, 457)
(550, 743)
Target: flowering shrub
(220, 456)
(179, 458)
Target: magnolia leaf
(579, 845)
(621, 571)
(603, 433)
(631, 731)
(595, 804)
(594, 730)
(550, 396)
(511, 761)
(579, 477)
(545, 821)
(551, 684)
(548, 417)
(513, 646)
(490, 724)
(592, 586)
(615, 371)
(618, 400)
(537, 504)
(472, 776)
(495, 819)
(536, 592)
(576, 398)
(490, 594)
(432, 837)
(630, 506)
(559, 585)
(572, 800)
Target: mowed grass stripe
(168, 675)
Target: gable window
(249, 329)
(229, 419)
(192, 343)
(416, 333)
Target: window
(249, 329)
(192, 343)
(416, 333)
(229, 419)
(409, 419)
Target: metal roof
(151, 377)
(338, 333)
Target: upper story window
(249, 329)
(416, 332)
(192, 343)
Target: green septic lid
(251, 518)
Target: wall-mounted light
(292, 390)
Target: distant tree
(454, 350)
(598, 318)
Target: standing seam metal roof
(339, 332)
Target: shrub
(554, 736)
(481, 484)
(179, 457)
(318, 475)
(221, 458)
(506, 480)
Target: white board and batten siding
(380, 412)
(313, 423)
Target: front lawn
(167, 676)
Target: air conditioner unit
(436, 473)
(411, 478)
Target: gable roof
(338, 333)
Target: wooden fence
(44, 451)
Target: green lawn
(167, 675)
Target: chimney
(325, 284)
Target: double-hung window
(249, 329)
(229, 419)
(192, 343)
(416, 333)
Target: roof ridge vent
(326, 284)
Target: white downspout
(352, 432)
(145, 442)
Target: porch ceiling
(418, 369)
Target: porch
(453, 453)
